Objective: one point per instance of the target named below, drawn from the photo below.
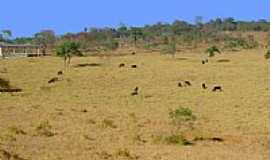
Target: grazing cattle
(205, 61)
(180, 84)
(59, 73)
(121, 65)
(217, 88)
(53, 80)
(133, 66)
(135, 92)
(204, 86)
(188, 83)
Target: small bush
(182, 114)
(212, 50)
(243, 43)
(111, 44)
(125, 154)
(174, 139)
(44, 129)
(108, 123)
(177, 139)
(4, 83)
(16, 130)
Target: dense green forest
(227, 33)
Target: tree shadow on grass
(88, 65)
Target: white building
(21, 50)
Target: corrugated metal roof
(18, 45)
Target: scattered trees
(158, 35)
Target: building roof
(18, 45)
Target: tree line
(152, 36)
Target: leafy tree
(5, 35)
(67, 49)
(45, 38)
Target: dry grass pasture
(90, 113)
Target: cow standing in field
(121, 65)
(135, 92)
(187, 83)
(205, 61)
(60, 73)
(204, 86)
(217, 88)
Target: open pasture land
(90, 112)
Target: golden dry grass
(90, 114)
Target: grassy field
(90, 113)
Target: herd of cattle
(135, 91)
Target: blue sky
(26, 17)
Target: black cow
(217, 88)
(135, 92)
(188, 83)
(204, 86)
(121, 65)
(59, 73)
(53, 80)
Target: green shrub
(182, 114)
(212, 50)
(174, 139)
(242, 43)
(44, 129)
(4, 83)
(111, 44)
(16, 130)
(108, 123)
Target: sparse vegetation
(44, 129)
(212, 50)
(16, 130)
(176, 139)
(181, 115)
(172, 139)
(107, 123)
(4, 83)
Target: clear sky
(26, 17)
